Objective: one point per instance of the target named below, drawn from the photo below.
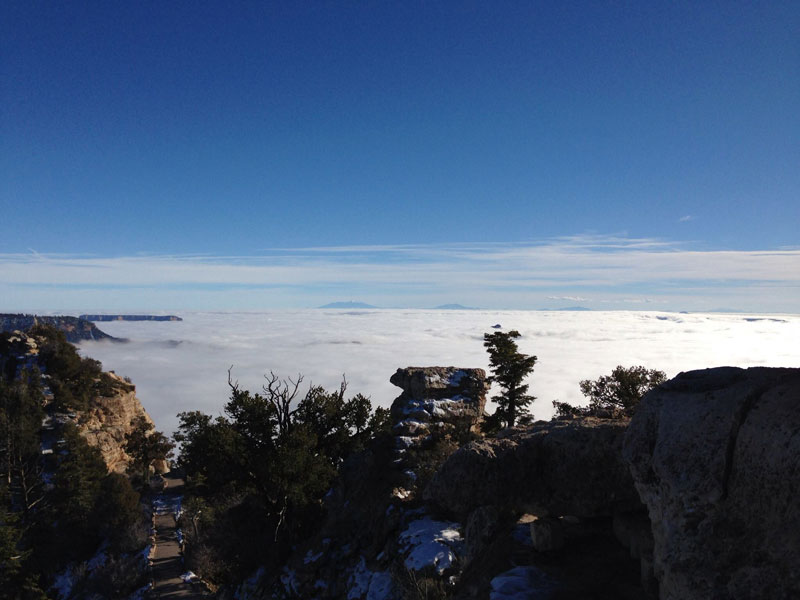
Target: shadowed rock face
(556, 468)
(715, 456)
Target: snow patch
(368, 584)
(429, 543)
(188, 577)
(63, 584)
(165, 505)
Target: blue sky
(244, 134)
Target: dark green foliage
(73, 379)
(145, 446)
(54, 508)
(118, 512)
(616, 395)
(622, 390)
(256, 477)
(509, 369)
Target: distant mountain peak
(454, 307)
(349, 304)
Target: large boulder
(715, 456)
(442, 399)
(556, 468)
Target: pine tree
(509, 369)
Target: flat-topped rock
(554, 468)
(435, 398)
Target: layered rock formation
(109, 419)
(74, 328)
(715, 456)
(130, 318)
(445, 400)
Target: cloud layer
(613, 272)
(181, 366)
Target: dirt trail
(167, 561)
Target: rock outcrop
(715, 456)
(109, 419)
(74, 328)
(441, 399)
(571, 467)
(130, 318)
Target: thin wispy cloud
(686, 218)
(606, 269)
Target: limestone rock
(555, 468)
(715, 456)
(108, 420)
(441, 398)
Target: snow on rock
(522, 583)
(367, 584)
(431, 544)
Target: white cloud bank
(612, 271)
(181, 366)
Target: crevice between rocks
(738, 420)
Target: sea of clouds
(182, 366)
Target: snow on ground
(371, 585)
(188, 577)
(165, 505)
(522, 583)
(430, 543)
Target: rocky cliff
(75, 329)
(695, 498)
(715, 456)
(130, 318)
(110, 412)
(109, 419)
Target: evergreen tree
(145, 445)
(621, 391)
(509, 369)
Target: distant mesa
(75, 329)
(454, 307)
(348, 305)
(130, 318)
